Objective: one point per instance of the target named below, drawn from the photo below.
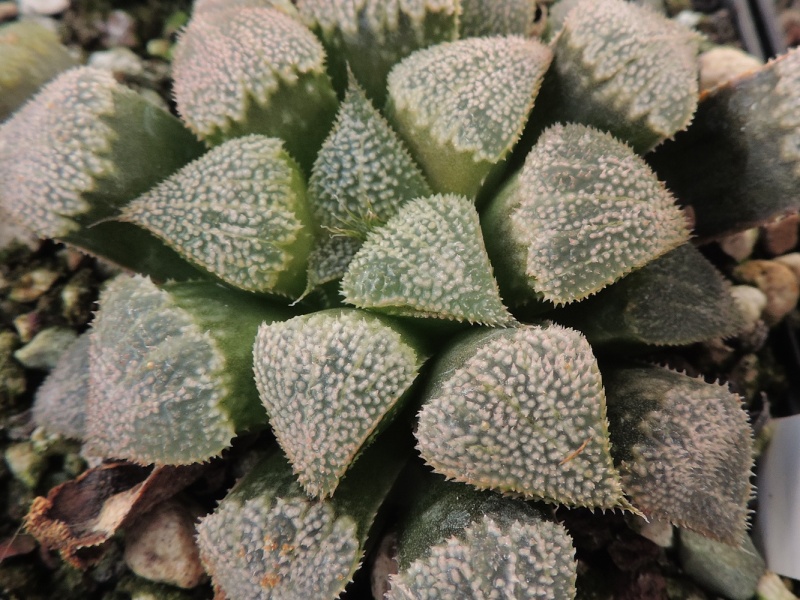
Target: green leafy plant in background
(392, 228)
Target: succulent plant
(464, 256)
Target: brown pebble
(791, 260)
(27, 325)
(8, 11)
(722, 64)
(33, 285)
(778, 283)
(160, 546)
(781, 235)
(739, 246)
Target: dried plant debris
(78, 516)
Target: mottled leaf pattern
(396, 270)
(684, 448)
(522, 410)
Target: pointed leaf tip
(398, 269)
(461, 106)
(329, 381)
(522, 410)
(239, 211)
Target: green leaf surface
(370, 36)
(60, 402)
(330, 381)
(738, 166)
(429, 260)
(460, 543)
(624, 69)
(584, 211)
(461, 106)
(239, 211)
(254, 70)
(522, 411)
(684, 449)
(679, 298)
(363, 172)
(169, 384)
(268, 540)
(499, 17)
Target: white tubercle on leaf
(499, 17)
(626, 69)
(522, 411)
(363, 172)
(584, 212)
(523, 560)
(53, 149)
(239, 211)
(328, 381)
(461, 106)
(429, 260)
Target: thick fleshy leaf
(30, 54)
(370, 36)
(363, 173)
(254, 70)
(461, 106)
(499, 17)
(168, 385)
(584, 211)
(329, 259)
(239, 211)
(60, 402)
(268, 540)
(738, 166)
(399, 268)
(623, 69)
(522, 411)
(330, 382)
(679, 298)
(80, 149)
(684, 449)
(461, 543)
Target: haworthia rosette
(684, 449)
(583, 212)
(521, 411)
(371, 36)
(83, 147)
(398, 269)
(171, 370)
(623, 69)
(240, 211)
(254, 70)
(461, 106)
(330, 382)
